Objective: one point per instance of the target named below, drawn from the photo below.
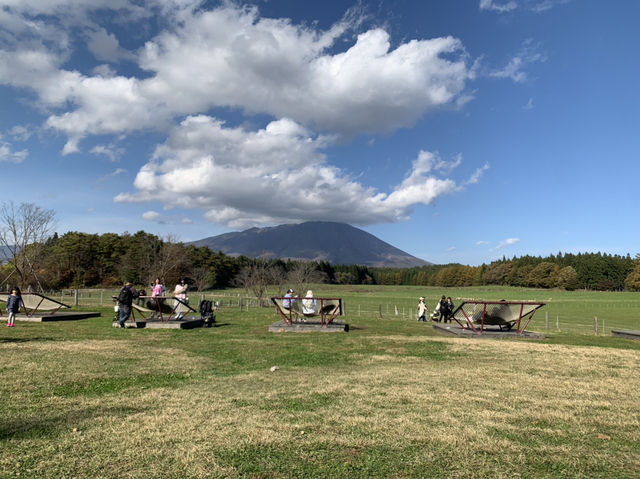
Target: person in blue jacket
(14, 301)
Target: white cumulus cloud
(312, 88)
(243, 178)
(10, 156)
(500, 7)
(151, 215)
(507, 242)
(229, 56)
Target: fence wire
(594, 318)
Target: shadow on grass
(26, 340)
(43, 426)
(357, 328)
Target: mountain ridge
(336, 243)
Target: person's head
(128, 284)
(443, 298)
(157, 280)
(309, 294)
(421, 299)
(14, 291)
(290, 291)
(449, 299)
(182, 281)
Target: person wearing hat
(288, 300)
(422, 310)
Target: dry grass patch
(468, 409)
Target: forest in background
(81, 260)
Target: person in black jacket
(448, 310)
(125, 300)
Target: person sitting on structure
(288, 300)
(309, 304)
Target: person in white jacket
(422, 310)
(309, 304)
(180, 293)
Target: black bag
(125, 296)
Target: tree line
(40, 260)
(590, 271)
(89, 260)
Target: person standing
(441, 308)
(157, 298)
(180, 293)
(158, 289)
(422, 310)
(14, 301)
(448, 310)
(125, 302)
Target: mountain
(5, 254)
(337, 243)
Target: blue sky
(456, 130)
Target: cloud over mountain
(318, 88)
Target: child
(422, 310)
(157, 300)
(13, 306)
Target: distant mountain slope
(337, 243)
(5, 254)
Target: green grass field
(390, 398)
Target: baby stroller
(207, 312)
(435, 314)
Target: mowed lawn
(390, 398)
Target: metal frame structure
(178, 304)
(478, 327)
(327, 311)
(33, 307)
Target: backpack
(124, 295)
